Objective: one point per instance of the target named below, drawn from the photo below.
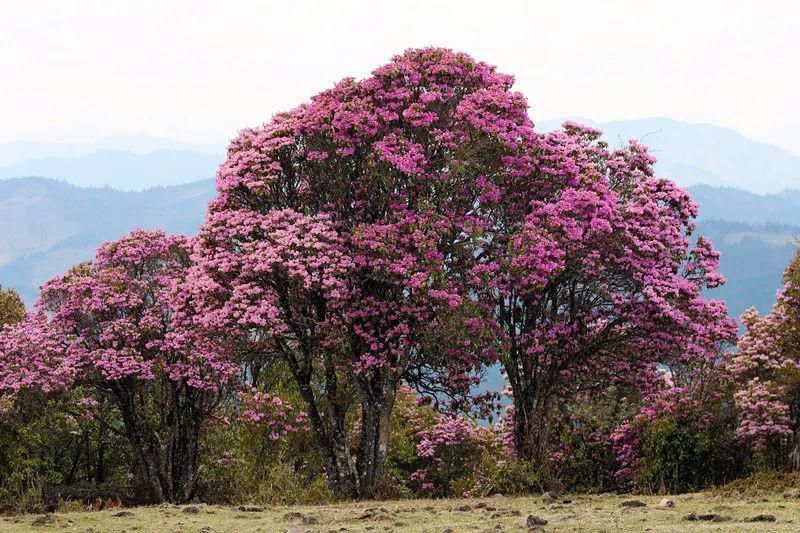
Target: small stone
(43, 520)
(549, 497)
(464, 508)
(719, 508)
(123, 514)
(532, 521)
(192, 509)
(713, 517)
(691, 517)
(666, 502)
(250, 508)
(762, 518)
(633, 503)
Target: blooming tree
(342, 235)
(115, 327)
(413, 226)
(766, 375)
(588, 267)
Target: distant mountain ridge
(728, 203)
(122, 170)
(693, 154)
(690, 154)
(46, 226)
(15, 152)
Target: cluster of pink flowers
(455, 442)
(669, 400)
(270, 411)
(115, 319)
(766, 352)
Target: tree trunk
(794, 450)
(331, 436)
(330, 432)
(376, 409)
(168, 455)
(531, 424)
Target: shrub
(50, 452)
(677, 443)
(260, 450)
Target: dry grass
(582, 513)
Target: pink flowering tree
(766, 376)
(342, 238)
(588, 266)
(115, 327)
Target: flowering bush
(119, 327)
(677, 442)
(259, 449)
(457, 457)
(269, 411)
(766, 376)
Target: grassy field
(691, 512)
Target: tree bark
(531, 424)
(167, 455)
(376, 408)
(794, 451)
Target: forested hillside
(52, 225)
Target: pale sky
(198, 71)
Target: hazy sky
(199, 71)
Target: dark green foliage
(12, 309)
(679, 455)
(676, 457)
(48, 455)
